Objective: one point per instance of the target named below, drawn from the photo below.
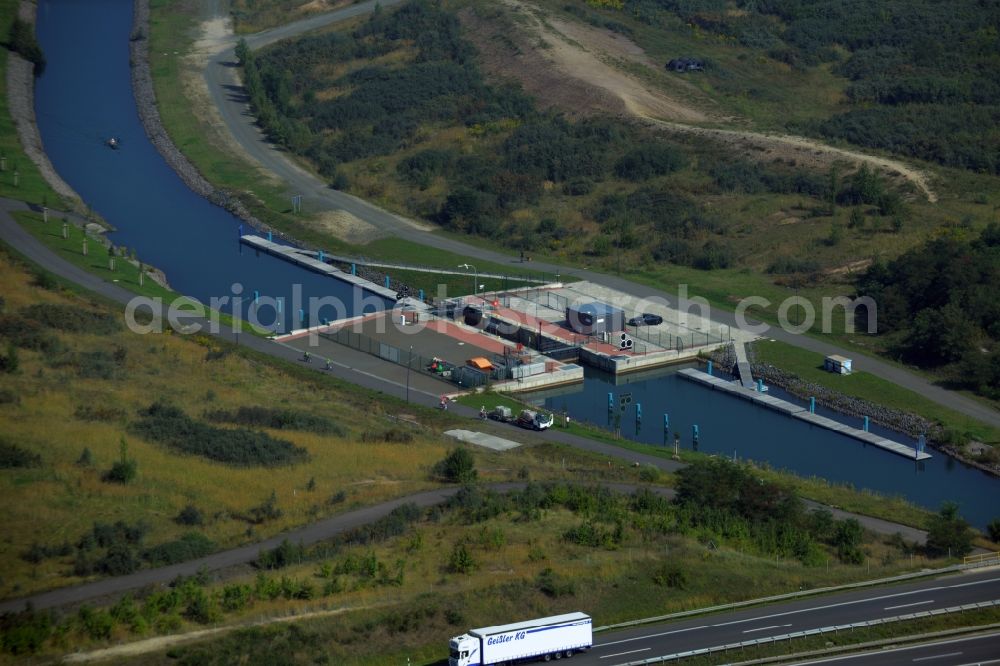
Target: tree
(10, 362)
(457, 467)
(857, 220)
(949, 533)
(125, 470)
(993, 529)
(847, 539)
(461, 560)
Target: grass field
(60, 500)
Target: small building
(595, 318)
(838, 364)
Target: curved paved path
(230, 98)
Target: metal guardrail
(995, 559)
(772, 640)
(982, 559)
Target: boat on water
(113, 143)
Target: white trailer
(544, 638)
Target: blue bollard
(866, 424)
(611, 401)
(269, 236)
(302, 315)
(638, 411)
(321, 255)
(281, 301)
(709, 368)
(241, 230)
(354, 269)
(694, 433)
(666, 422)
(421, 294)
(812, 405)
(256, 297)
(760, 386)
(386, 281)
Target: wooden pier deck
(802, 413)
(302, 259)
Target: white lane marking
(837, 605)
(861, 655)
(982, 663)
(938, 656)
(640, 638)
(915, 603)
(976, 582)
(608, 656)
(773, 626)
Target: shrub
(279, 419)
(25, 632)
(71, 318)
(169, 425)
(391, 436)
(281, 556)
(948, 533)
(8, 396)
(553, 585)
(669, 574)
(125, 470)
(10, 362)
(268, 510)
(460, 561)
(86, 458)
(457, 467)
(23, 42)
(99, 413)
(649, 474)
(13, 456)
(27, 334)
(190, 515)
(189, 547)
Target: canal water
(83, 98)
(729, 426)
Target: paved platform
(799, 412)
(482, 439)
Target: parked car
(534, 420)
(646, 319)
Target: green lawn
(809, 366)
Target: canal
(729, 426)
(83, 98)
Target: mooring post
(760, 386)
(866, 424)
(270, 237)
(280, 302)
(709, 368)
(302, 315)
(421, 294)
(386, 281)
(256, 296)
(321, 255)
(638, 412)
(812, 405)
(694, 433)
(240, 232)
(611, 401)
(354, 269)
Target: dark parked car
(646, 319)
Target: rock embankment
(896, 419)
(149, 115)
(21, 103)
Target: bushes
(391, 436)
(279, 419)
(648, 161)
(189, 547)
(283, 555)
(457, 467)
(125, 470)
(190, 515)
(23, 42)
(166, 424)
(28, 334)
(13, 456)
(71, 318)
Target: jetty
(802, 413)
(304, 259)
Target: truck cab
(463, 650)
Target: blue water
(84, 97)
(729, 426)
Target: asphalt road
(622, 647)
(981, 650)
(231, 100)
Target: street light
(475, 278)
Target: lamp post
(475, 278)
(409, 362)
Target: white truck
(545, 638)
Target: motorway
(623, 647)
(969, 650)
(228, 95)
